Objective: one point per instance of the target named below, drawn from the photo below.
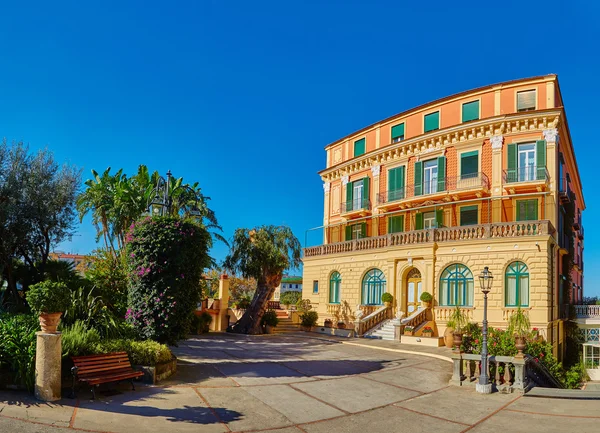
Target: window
(526, 162)
(469, 165)
(469, 215)
(356, 231)
(527, 210)
(373, 286)
(517, 285)
(335, 282)
(432, 122)
(456, 286)
(396, 188)
(315, 286)
(591, 356)
(359, 147)
(396, 224)
(398, 133)
(430, 176)
(429, 220)
(526, 100)
(357, 195)
(470, 111)
(296, 286)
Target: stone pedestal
(222, 319)
(48, 363)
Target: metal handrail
(355, 205)
(530, 173)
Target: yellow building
(424, 200)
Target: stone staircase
(285, 323)
(383, 332)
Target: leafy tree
(37, 211)
(109, 275)
(263, 253)
(290, 298)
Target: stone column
(222, 320)
(496, 182)
(48, 366)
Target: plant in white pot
(49, 300)
(519, 326)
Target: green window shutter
(432, 121)
(439, 217)
(441, 183)
(349, 191)
(366, 197)
(398, 132)
(470, 111)
(359, 147)
(363, 230)
(396, 183)
(512, 163)
(520, 210)
(419, 178)
(348, 233)
(396, 224)
(540, 156)
(419, 221)
(468, 215)
(532, 210)
(469, 164)
(400, 180)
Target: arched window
(335, 281)
(373, 286)
(517, 285)
(456, 286)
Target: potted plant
(519, 325)
(269, 321)
(387, 299)
(459, 321)
(408, 330)
(328, 323)
(341, 325)
(426, 299)
(49, 300)
(308, 320)
(448, 334)
(428, 331)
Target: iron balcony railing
(464, 182)
(529, 173)
(356, 204)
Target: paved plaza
(297, 383)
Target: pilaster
(327, 208)
(375, 171)
(552, 139)
(497, 142)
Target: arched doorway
(413, 290)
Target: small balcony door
(357, 196)
(413, 291)
(526, 169)
(430, 176)
(429, 221)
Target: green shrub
(166, 257)
(426, 297)
(309, 319)
(269, 319)
(17, 347)
(149, 352)
(290, 298)
(387, 297)
(201, 323)
(48, 297)
(78, 340)
(304, 306)
(108, 273)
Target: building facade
(288, 284)
(424, 200)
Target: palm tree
(263, 253)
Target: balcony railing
(564, 191)
(355, 205)
(587, 311)
(464, 182)
(530, 173)
(446, 234)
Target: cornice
(422, 145)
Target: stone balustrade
(507, 373)
(587, 311)
(444, 234)
(375, 318)
(443, 313)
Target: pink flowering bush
(165, 259)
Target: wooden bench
(104, 368)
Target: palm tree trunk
(250, 321)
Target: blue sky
(243, 96)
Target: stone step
(570, 394)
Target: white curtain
(524, 290)
(511, 290)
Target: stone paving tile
(296, 406)
(554, 406)
(387, 419)
(458, 404)
(202, 375)
(8, 425)
(507, 421)
(331, 368)
(413, 379)
(262, 373)
(151, 410)
(25, 406)
(253, 413)
(355, 394)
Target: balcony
(587, 311)
(475, 182)
(356, 207)
(446, 234)
(525, 177)
(565, 194)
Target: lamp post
(163, 201)
(484, 386)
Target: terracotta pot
(520, 345)
(457, 339)
(341, 325)
(409, 333)
(328, 324)
(305, 328)
(268, 329)
(448, 338)
(428, 334)
(49, 322)
(204, 304)
(387, 304)
(426, 304)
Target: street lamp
(484, 386)
(162, 202)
